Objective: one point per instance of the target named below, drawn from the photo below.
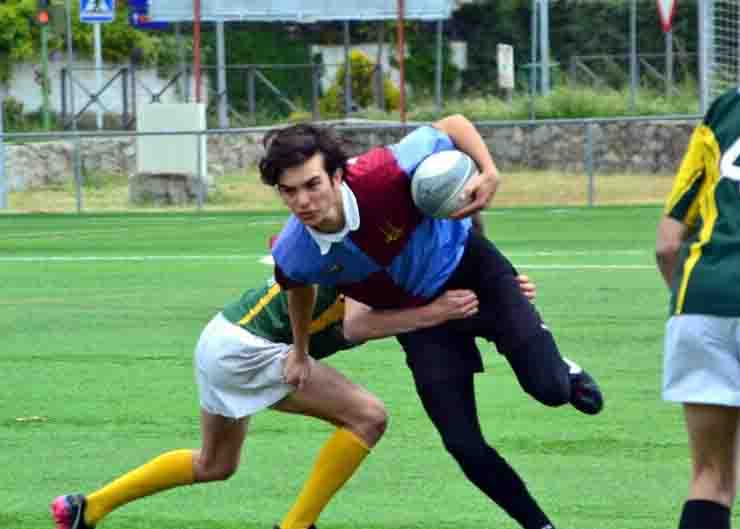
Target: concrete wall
(618, 147)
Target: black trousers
(505, 317)
(452, 408)
(443, 360)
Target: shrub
(14, 118)
(362, 73)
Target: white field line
(584, 267)
(267, 260)
(103, 258)
(102, 230)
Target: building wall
(25, 88)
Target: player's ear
(337, 177)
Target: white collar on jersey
(351, 222)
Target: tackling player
(240, 360)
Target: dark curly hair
(291, 146)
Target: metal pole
(70, 58)
(134, 104)
(3, 177)
(705, 27)
(533, 58)
(669, 63)
(45, 76)
(589, 163)
(545, 46)
(379, 89)
(634, 73)
(251, 96)
(347, 71)
(223, 114)
(124, 98)
(315, 91)
(438, 69)
(182, 81)
(196, 49)
(401, 61)
(63, 94)
(76, 161)
(98, 70)
(199, 162)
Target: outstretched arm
(362, 323)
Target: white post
(98, 71)
(223, 113)
(669, 63)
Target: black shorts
(505, 317)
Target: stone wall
(618, 147)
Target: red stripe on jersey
(388, 216)
(380, 291)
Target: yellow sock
(337, 461)
(170, 469)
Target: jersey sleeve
(286, 282)
(682, 203)
(414, 147)
(290, 251)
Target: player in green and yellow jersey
(698, 254)
(239, 363)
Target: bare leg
(361, 420)
(222, 440)
(713, 441)
(330, 396)
(217, 459)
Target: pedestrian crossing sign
(97, 10)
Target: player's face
(313, 195)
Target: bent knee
(371, 423)
(206, 471)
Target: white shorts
(238, 373)
(701, 363)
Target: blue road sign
(139, 16)
(139, 21)
(97, 10)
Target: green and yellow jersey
(264, 312)
(706, 198)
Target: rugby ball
(438, 181)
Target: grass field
(100, 315)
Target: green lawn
(100, 315)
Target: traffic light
(42, 12)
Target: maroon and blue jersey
(398, 257)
